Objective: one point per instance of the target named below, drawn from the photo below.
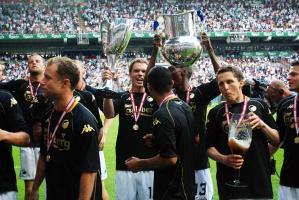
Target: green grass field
(110, 162)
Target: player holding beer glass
(254, 167)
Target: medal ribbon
(31, 88)
(51, 136)
(295, 114)
(171, 96)
(188, 95)
(137, 111)
(242, 114)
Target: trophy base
(236, 184)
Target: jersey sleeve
(209, 91)
(13, 113)
(165, 140)
(280, 123)
(211, 133)
(95, 110)
(87, 140)
(118, 104)
(267, 116)
(9, 86)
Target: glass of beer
(239, 140)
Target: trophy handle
(111, 60)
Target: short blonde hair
(137, 60)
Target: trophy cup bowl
(115, 36)
(182, 48)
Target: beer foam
(243, 144)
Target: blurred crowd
(57, 16)
(262, 68)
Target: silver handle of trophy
(111, 61)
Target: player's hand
(233, 160)
(133, 164)
(255, 121)
(33, 195)
(205, 41)
(157, 41)
(107, 74)
(148, 140)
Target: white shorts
(288, 193)
(11, 195)
(29, 158)
(104, 173)
(204, 185)
(134, 186)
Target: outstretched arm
(15, 138)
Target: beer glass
(239, 140)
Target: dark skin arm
(156, 44)
(205, 41)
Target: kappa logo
(13, 102)
(156, 122)
(87, 128)
(65, 124)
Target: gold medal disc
(135, 127)
(48, 158)
(296, 140)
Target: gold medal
(296, 140)
(48, 158)
(135, 127)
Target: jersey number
(201, 190)
(150, 192)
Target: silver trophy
(115, 36)
(182, 48)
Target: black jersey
(88, 100)
(255, 170)
(174, 132)
(33, 108)
(285, 120)
(74, 150)
(199, 99)
(130, 142)
(11, 119)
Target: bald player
(278, 90)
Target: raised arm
(108, 108)
(156, 44)
(208, 46)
